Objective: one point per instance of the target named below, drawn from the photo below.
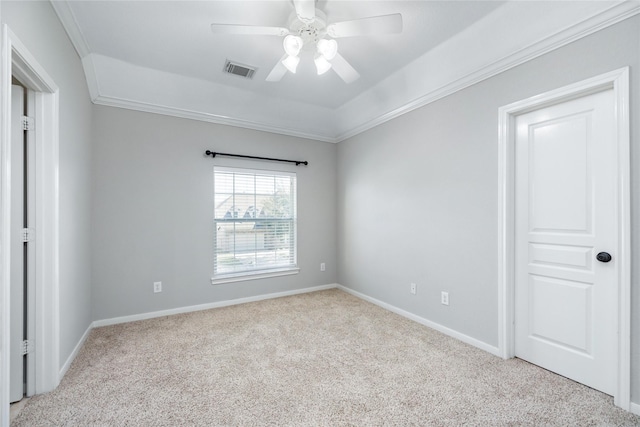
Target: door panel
(560, 256)
(565, 214)
(556, 300)
(549, 160)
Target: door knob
(603, 257)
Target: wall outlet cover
(444, 298)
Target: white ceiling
(161, 56)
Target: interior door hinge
(27, 123)
(27, 235)
(27, 347)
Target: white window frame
(241, 276)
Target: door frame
(618, 81)
(16, 60)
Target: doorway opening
(22, 246)
(43, 301)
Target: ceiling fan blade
(306, 10)
(278, 71)
(248, 30)
(344, 69)
(384, 24)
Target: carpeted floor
(319, 359)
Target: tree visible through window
(255, 221)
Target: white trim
(241, 277)
(16, 57)
(428, 323)
(167, 110)
(218, 304)
(634, 408)
(5, 224)
(75, 352)
(617, 80)
(598, 22)
(622, 99)
(47, 242)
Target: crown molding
(110, 84)
(205, 117)
(575, 32)
(70, 24)
(349, 120)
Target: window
(255, 223)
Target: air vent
(239, 69)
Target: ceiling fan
(308, 31)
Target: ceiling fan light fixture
(322, 65)
(327, 48)
(292, 45)
(291, 63)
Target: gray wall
(417, 196)
(38, 28)
(153, 210)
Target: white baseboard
(433, 325)
(634, 408)
(179, 310)
(74, 353)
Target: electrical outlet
(322, 266)
(157, 287)
(444, 298)
(413, 288)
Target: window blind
(255, 221)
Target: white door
(17, 302)
(565, 215)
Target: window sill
(241, 277)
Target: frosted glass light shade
(292, 45)
(322, 65)
(327, 48)
(291, 63)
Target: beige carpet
(320, 359)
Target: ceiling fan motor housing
(310, 33)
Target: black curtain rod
(297, 162)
